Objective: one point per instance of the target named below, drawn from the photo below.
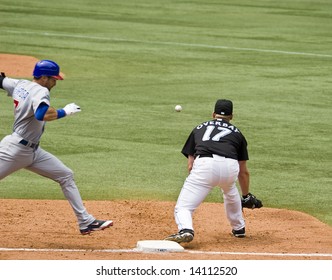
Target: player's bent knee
(65, 177)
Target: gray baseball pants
(15, 156)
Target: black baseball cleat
(239, 233)
(96, 225)
(184, 235)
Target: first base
(159, 246)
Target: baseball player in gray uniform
(217, 155)
(21, 149)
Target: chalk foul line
(327, 255)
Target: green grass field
(128, 63)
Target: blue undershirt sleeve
(61, 113)
(41, 111)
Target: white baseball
(178, 108)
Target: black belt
(205, 155)
(29, 144)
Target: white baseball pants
(207, 173)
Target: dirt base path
(32, 225)
(17, 65)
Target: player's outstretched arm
(48, 113)
(51, 114)
(248, 200)
(8, 84)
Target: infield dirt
(51, 225)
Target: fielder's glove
(71, 109)
(250, 201)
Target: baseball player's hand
(250, 201)
(71, 109)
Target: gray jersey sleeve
(9, 85)
(41, 95)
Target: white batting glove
(71, 109)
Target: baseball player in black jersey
(21, 149)
(217, 154)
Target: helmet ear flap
(47, 68)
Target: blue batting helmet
(47, 68)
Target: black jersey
(216, 137)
